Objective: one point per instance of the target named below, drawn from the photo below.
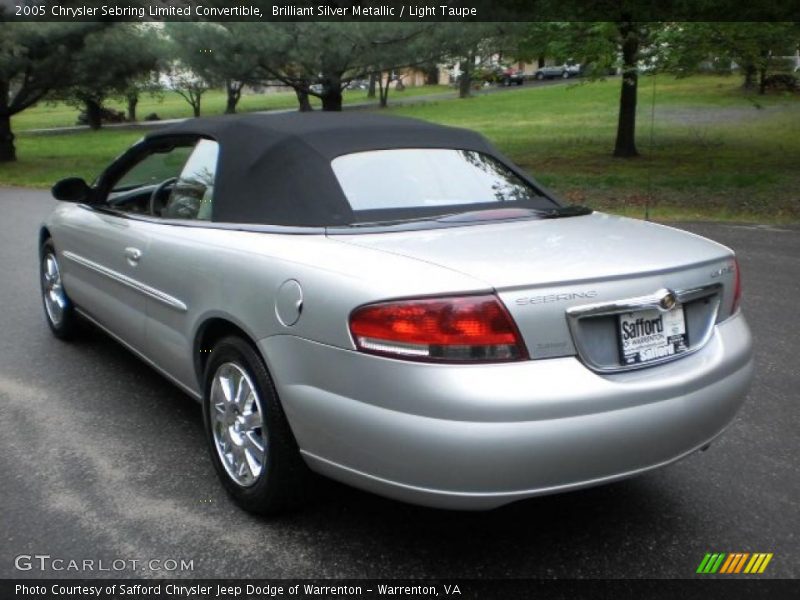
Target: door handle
(133, 255)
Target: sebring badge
(555, 297)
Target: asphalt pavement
(103, 459)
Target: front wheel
(252, 447)
(58, 308)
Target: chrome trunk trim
(648, 302)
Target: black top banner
(390, 10)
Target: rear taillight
(737, 286)
(457, 329)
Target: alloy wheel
(237, 424)
(55, 299)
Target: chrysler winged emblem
(668, 301)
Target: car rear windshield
(430, 181)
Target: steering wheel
(158, 191)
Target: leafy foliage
(111, 62)
(35, 58)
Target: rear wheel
(58, 308)
(540, 76)
(252, 447)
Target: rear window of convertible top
(429, 179)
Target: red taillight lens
(737, 286)
(462, 329)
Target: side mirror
(72, 189)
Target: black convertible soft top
(276, 169)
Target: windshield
(429, 182)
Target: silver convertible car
(396, 305)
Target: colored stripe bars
(734, 562)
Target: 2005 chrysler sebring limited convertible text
(395, 305)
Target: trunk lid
(543, 268)
(549, 251)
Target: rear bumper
(478, 437)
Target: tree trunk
(94, 114)
(373, 79)
(195, 98)
(762, 81)
(234, 90)
(749, 77)
(465, 83)
(625, 145)
(302, 99)
(384, 99)
(332, 101)
(133, 100)
(540, 61)
(7, 151)
(432, 75)
(332, 94)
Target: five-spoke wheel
(252, 446)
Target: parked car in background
(564, 71)
(394, 304)
(510, 77)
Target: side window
(153, 169)
(131, 192)
(192, 195)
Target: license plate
(649, 335)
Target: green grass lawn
(716, 151)
(170, 105)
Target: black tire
(66, 325)
(284, 475)
(539, 76)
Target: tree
(537, 41)
(215, 55)
(630, 39)
(603, 46)
(148, 83)
(188, 85)
(391, 48)
(476, 45)
(754, 47)
(110, 63)
(676, 47)
(320, 59)
(34, 60)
